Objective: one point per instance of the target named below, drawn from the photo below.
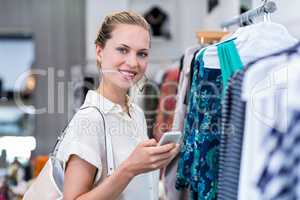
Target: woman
(122, 48)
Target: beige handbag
(49, 183)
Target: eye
(143, 54)
(122, 50)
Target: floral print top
(198, 161)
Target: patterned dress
(198, 162)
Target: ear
(98, 52)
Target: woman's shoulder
(86, 120)
(90, 113)
(83, 137)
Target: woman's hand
(148, 156)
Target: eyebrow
(129, 47)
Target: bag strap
(108, 143)
(108, 146)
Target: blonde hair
(123, 17)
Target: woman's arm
(79, 179)
(79, 175)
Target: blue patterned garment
(282, 164)
(198, 162)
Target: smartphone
(170, 137)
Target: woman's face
(125, 56)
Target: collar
(93, 98)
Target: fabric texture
(280, 175)
(198, 162)
(169, 177)
(253, 42)
(229, 60)
(233, 116)
(262, 108)
(183, 88)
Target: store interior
(48, 63)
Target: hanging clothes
(198, 162)
(233, 114)
(167, 102)
(261, 86)
(229, 60)
(280, 175)
(233, 111)
(199, 148)
(152, 98)
(180, 111)
(252, 42)
(184, 87)
(230, 63)
(150, 105)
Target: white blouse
(85, 135)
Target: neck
(114, 94)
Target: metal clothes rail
(247, 17)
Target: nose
(132, 60)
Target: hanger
(256, 36)
(248, 17)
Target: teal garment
(229, 60)
(198, 160)
(198, 163)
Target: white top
(182, 88)
(293, 83)
(253, 42)
(85, 135)
(271, 90)
(264, 90)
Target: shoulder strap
(108, 143)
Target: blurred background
(47, 63)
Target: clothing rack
(267, 8)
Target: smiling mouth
(129, 75)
